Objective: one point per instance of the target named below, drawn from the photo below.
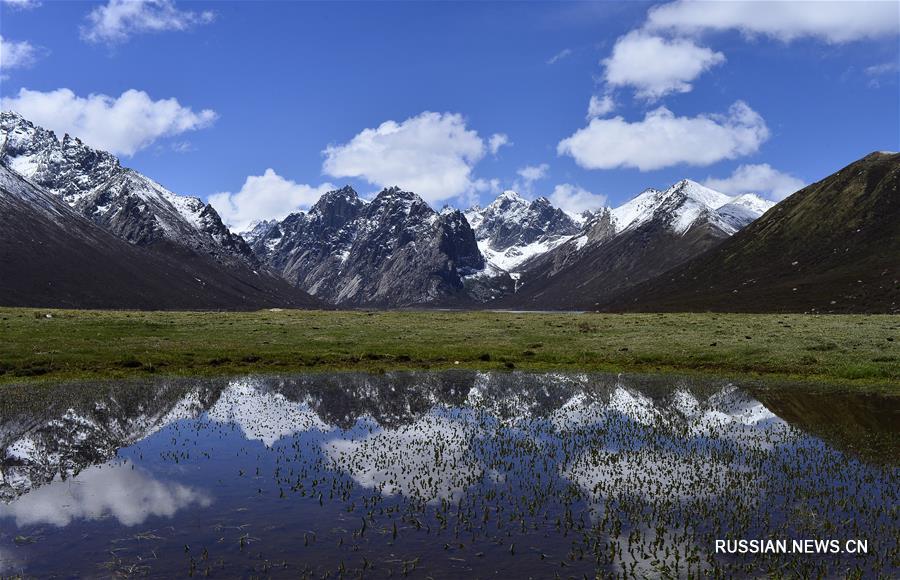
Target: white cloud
(264, 197)
(655, 66)
(600, 106)
(883, 69)
(532, 173)
(662, 140)
(16, 54)
(118, 20)
(122, 125)
(574, 199)
(496, 141)
(103, 492)
(486, 185)
(22, 4)
(833, 22)
(559, 56)
(431, 154)
(760, 178)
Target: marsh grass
(850, 350)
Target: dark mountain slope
(393, 251)
(833, 246)
(51, 256)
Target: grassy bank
(849, 350)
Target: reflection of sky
(9, 562)
(127, 494)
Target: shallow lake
(443, 475)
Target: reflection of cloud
(264, 416)
(429, 459)
(117, 490)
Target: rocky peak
(395, 204)
(458, 241)
(68, 168)
(120, 199)
(512, 220)
(337, 207)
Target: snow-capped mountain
(830, 247)
(626, 245)
(55, 257)
(77, 230)
(131, 205)
(685, 204)
(512, 229)
(392, 251)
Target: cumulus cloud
(17, 54)
(662, 140)
(118, 20)
(121, 125)
(575, 199)
(529, 174)
(559, 56)
(431, 154)
(761, 178)
(655, 66)
(833, 22)
(600, 106)
(533, 172)
(496, 141)
(487, 185)
(264, 197)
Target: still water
(443, 475)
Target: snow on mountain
(743, 209)
(511, 230)
(122, 200)
(683, 204)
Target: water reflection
(110, 490)
(436, 474)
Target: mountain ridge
(830, 247)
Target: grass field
(851, 350)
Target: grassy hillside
(831, 247)
(852, 350)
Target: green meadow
(45, 345)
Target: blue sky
(743, 97)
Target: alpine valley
(77, 229)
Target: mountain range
(81, 230)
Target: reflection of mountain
(429, 459)
(83, 429)
(263, 415)
(109, 490)
(625, 471)
(401, 418)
